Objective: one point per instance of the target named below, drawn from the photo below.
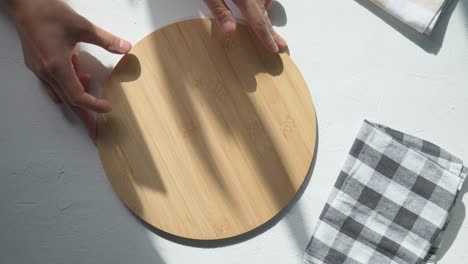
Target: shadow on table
(99, 75)
(456, 222)
(431, 43)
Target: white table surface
(57, 205)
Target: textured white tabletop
(57, 205)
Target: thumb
(222, 13)
(106, 40)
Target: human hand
(49, 31)
(257, 17)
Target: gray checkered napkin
(390, 202)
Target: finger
(74, 90)
(88, 120)
(84, 80)
(98, 36)
(280, 41)
(222, 14)
(54, 96)
(50, 91)
(85, 115)
(267, 3)
(57, 91)
(256, 15)
(75, 61)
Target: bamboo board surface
(210, 135)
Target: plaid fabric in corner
(390, 202)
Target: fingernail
(228, 26)
(125, 46)
(282, 42)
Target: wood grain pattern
(210, 135)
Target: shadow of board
(430, 43)
(273, 66)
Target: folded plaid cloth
(390, 202)
(421, 15)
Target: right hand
(257, 17)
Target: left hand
(49, 31)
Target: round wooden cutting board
(210, 135)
